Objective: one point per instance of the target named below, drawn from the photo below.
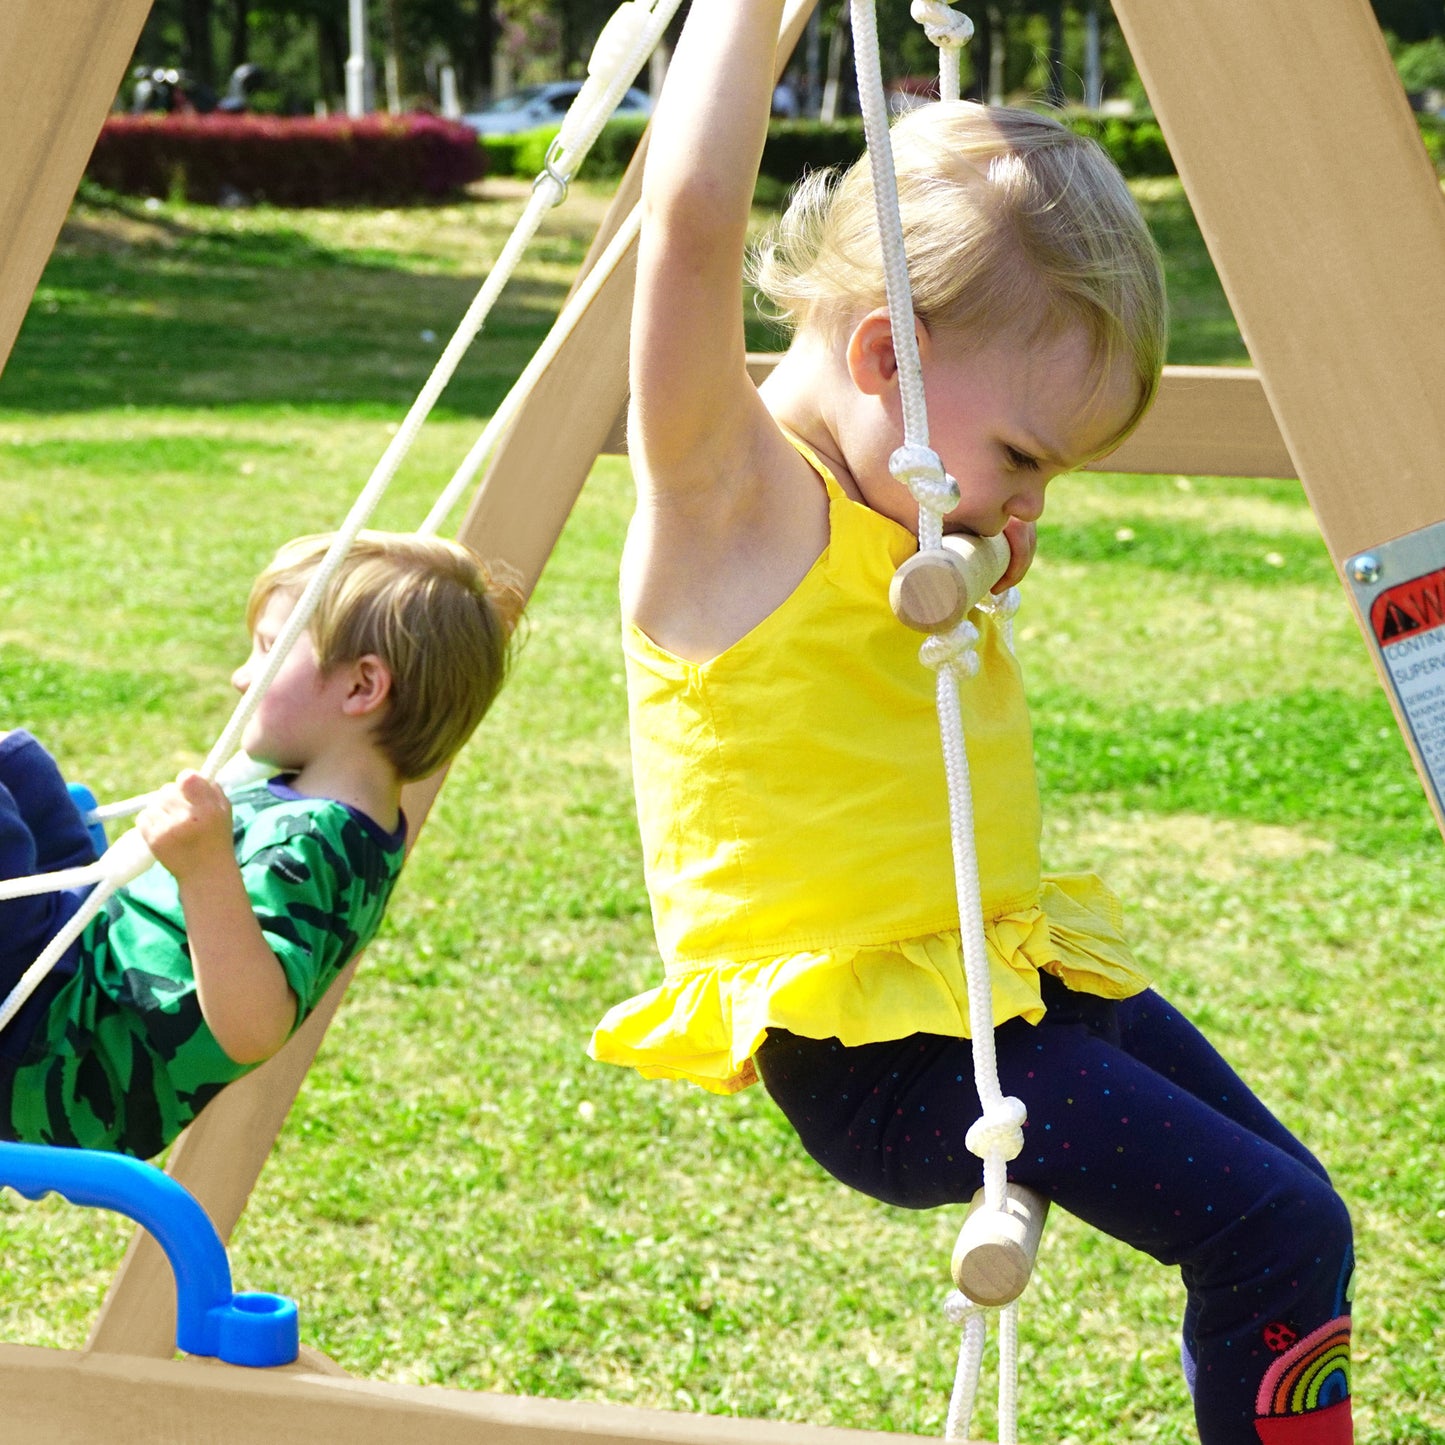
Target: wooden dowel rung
(995, 1252)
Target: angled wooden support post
(1326, 223)
(64, 65)
(522, 504)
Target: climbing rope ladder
(934, 592)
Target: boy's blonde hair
(1014, 226)
(430, 610)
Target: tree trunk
(477, 79)
(331, 49)
(812, 97)
(1093, 66)
(198, 55)
(393, 57)
(240, 32)
(833, 85)
(1055, 59)
(997, 54)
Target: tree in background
(1038, 50)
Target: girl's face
(1005, 419)
(297, 715)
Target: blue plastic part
(84, 800)
(241, 1329)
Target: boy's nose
(241, 678)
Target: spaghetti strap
(830, 482)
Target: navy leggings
(1138, 1127)
(41, 831)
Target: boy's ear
(872, 362)
(370, 686)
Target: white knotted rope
(624, 45)
(997, 1135)
(950, 31)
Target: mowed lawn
(460, 1196)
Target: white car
(539, 105)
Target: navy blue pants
(1138, 1127)
(41, 831)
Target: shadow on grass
(257, 319)
(1330, 763)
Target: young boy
(206, 964)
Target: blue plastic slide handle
(241, 1329)
(84, 801)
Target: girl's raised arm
(694, 412)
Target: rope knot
(958, 1309)
(999, 1129)
(920, 470)
(946, 27)
(1002, 605)
(952, 649)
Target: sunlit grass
(460, 1196)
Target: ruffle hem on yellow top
(704, 1026)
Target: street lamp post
(357, 69)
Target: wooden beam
(517, 515)
(65, 65)
(1325, 220)
(1209, 421)
(62, 1397)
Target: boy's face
(298, 715)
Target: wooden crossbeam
(1209, 421)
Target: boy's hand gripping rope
(934, 592)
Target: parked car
(538, 105)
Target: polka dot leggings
(1139, 1128)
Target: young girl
(791, 793)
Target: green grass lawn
(460, 1196)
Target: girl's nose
(1027, 504)
(241, 678)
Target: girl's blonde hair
(430, 609)
(1014, 227)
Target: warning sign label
(1409, 624)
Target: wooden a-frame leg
(1326, 224)
(521, 508)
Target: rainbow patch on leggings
(1315, 1373)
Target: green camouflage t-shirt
(123, 1059)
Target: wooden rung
(1209, 421)
(995, 1252)
(934, 591)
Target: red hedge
(376, 160)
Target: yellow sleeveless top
(794, 819)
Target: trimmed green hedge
(1136, 144)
